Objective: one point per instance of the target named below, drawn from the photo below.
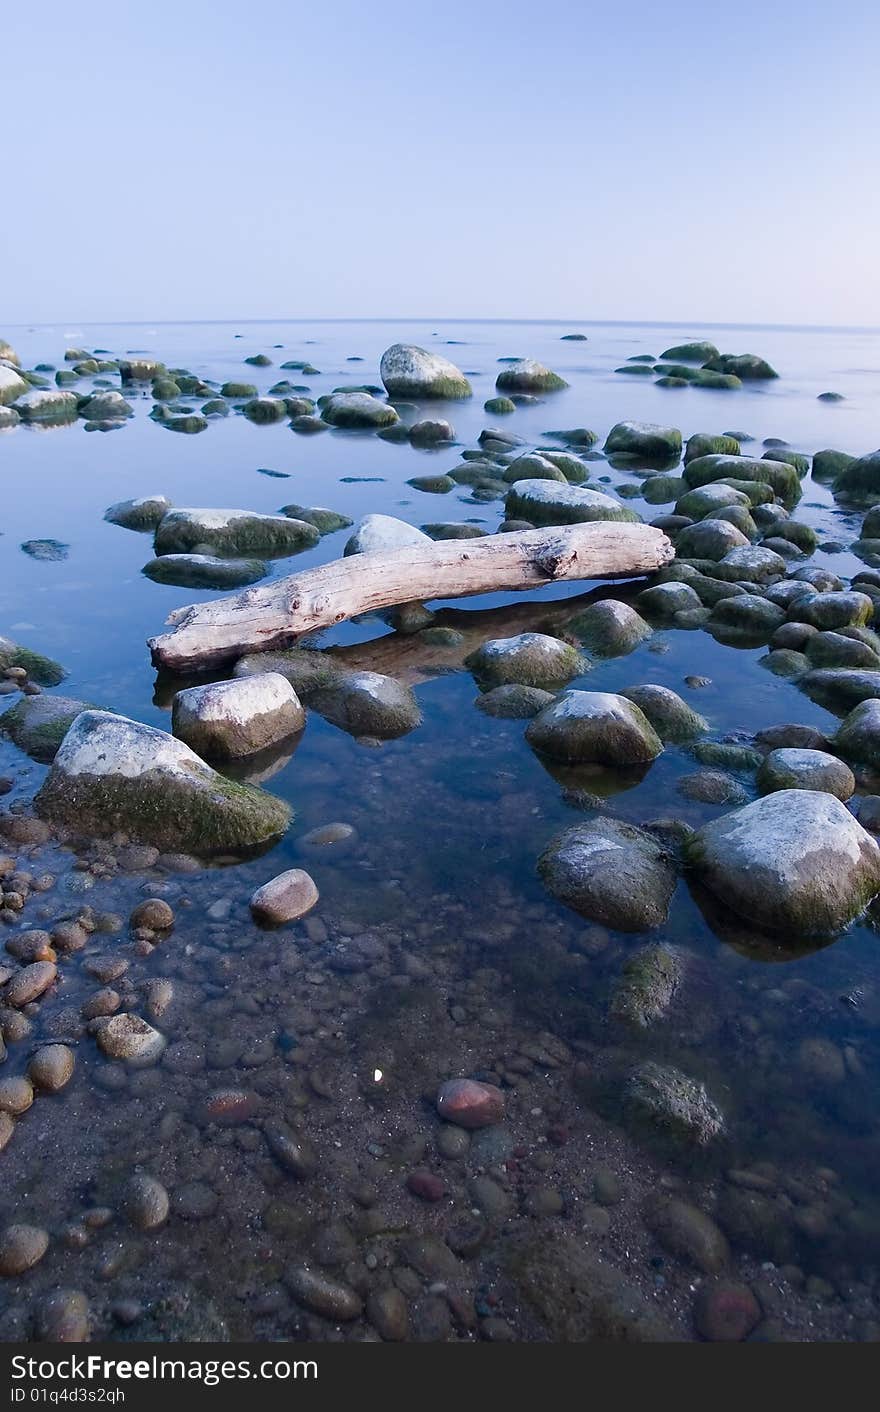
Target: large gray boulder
(611, 872)
(378, 533)
(527, 375)
(229, 533)
(858, 736)
(113, 774)
(530, 659)
(12, 386)
(795, 861)
(409, 371)
(226, 720)
(357, 411)
(596, 727)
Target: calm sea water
(452, 818)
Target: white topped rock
(529, 659)
(548, 502)
(232, 532)
(226, 720)
(12, 385)
(377, 533)
(410, 371)
(594, 726)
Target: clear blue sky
(627, 160)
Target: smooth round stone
(689, 1233)
(63, 1317)
(328, 838)
(387, 1312)
(806, 769)
(426, 1185)
(453, 1143)
(51, 1068)
(16, 1095)
(291, 1150)
(285, 898)
(130, 1038)
(145, 1203)
(29, 983)
(725, 1312)
(21, 1247)
(154, 914)
(470, 1104)
(319, 1292)
(195, 1201)
(606, 1186)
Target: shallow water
(435, 950)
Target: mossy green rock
(238, 391)
(647, 986)
(527, 375)
(702, 443)
(860, 480)
(793, 768)
(38, 724)
(140, 369)
(829, 464)
(840, 688)
(204, 571)
(782, 478)
(533, 466)
(858, 736)
(670, 716)
(165, 390)
(611, 872)
(544, 503)
(828, 611)
(745, 620)
(114, 774)
(48, 405)
(697, 352)
(409, 371)
(141, 514)
(39, 669)
(794, 861)
(107, 406)
(432, 485)
(356, 411)
(265, 409)
(513, 702)
(499, 406)
(453, 529)
(307, 670)
(747, 366)
(325, 521)
(596, 727)
(215, 407)
(232, 533)
(530, 659)
(646, 440)
(609, 628)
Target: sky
(563, 159)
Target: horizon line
(468, 319)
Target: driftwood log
(277, 614)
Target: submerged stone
(513, 702)
(231, 533)
(368, 704)
(610, 628)
(672, 1103)
(204, 571)
(112, 773)
(141, 514)
(596, 727)
(612, 872)
(530, 659)
(38, 668)
(38, 724)
(527, 375)
(410, 371)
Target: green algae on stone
(38, 724)
(697, 352)
(113, 774)
(325, 521)
(232, 533)
(529, 659)
(647, 986)
(204, 571)
(527, 375)
(40, 669)
(356, 411)
(410, 371)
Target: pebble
(51, 1068)
(22, 1247)
(31, 946)
(159, 994)
(145, 1202)
(63, 1317)
(195, 1201)
(103, 1002)
(16, 1095)
(30, 983)
(231, 1106)
(469, 1103)
(544, 1201)
(725, 1312)
(291, 1150)
(606, 1186)
(284, 898)
(387, 1312)
(130, 1038)
(426, 1185)
(154, 913)
(322, 1294)
(7, 1128)
(69, 936)
(452, 1142)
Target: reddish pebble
(426, 1185)
(233, 1105)
(470, 1104)
(725, 1312)
(558, 1135)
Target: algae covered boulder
(106, 406)
(747, 366)
(12, 385)
(204, 571)
(696, 352)
(612, 872)
(647, 986)
(671, 717)
(529, 659)
(114, 774)
(646, 440)
(39, 668)
(229, 533)
(790, 767)
(860, 479)
(38, 724)
(409, 371)
(527, 375)
(543, 502)
(368, 704)
(858, 736)
(226, 720)
(47, 405)
(795, 861)
(596, 727)
(356, 411)
(141, 514)
(610, 628)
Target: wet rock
(21, 1247)
(647, 986)
(35, 667)
(113, 773)
(426, 1185)
(530, 659)
(230, 719)
(63, 1317)
(129, 1038)
(512, 702)
(204, 571)
(368, 704)
(291, 1150)
(16, 1095)
(45, 551)
(47, 405)
(646, 440)
(51, 1068)
(672, 1103)
(29, 983)
(795, 861)
(834, 610)
(377, 533)
(285, 898)
(611, 872)
(709, 539)
(858, 736)
(470, 1104)
(154, 913)
(38, 724)
(858, 480)
(806, 769)
(665, 600)
(711, 787)
(325, 521)
(356, 411)
(142, 514)
(12, 386)
(527, 375)
(232, 533)
(412, 372)
(387, 1312)
(544, 502)
(689, 1233)
(594, 726)
(782, 479)
(322, 1294)
(840, 688)
(145, 1203)
(670, 716)
(106, 406)
(725, 1311)
(610, 628)
(140, 369)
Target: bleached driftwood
(277, 614)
